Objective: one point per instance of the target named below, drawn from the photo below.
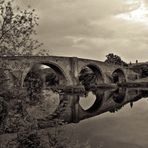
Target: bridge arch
(118, 76)
(53, 66)
(59, 71)
(43, 76)
(91, 73)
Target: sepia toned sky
(93, 28)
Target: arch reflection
(119, 95)
(92, 101)
(72, 108)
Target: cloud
(91, 28)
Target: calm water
(126, 128)
(95, 119)
(105, 118)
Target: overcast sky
(93, 28)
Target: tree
(115, 59)
(87, 77)
(17, 28)
(142, 69)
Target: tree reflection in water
(55, 111)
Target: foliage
(57, 139)
(87, 77)
(31, 140)
(142, 69)
(17, 30)
(26, 140)
(16, 118)
(114, 59)
(3, 112)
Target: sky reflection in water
(126, 128)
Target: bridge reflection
(72, 108)
(53, 107)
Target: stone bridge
(68, 68)
(17, 69)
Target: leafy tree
(114, 59)
(142, 69)
(17, 28)
(87, 77)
